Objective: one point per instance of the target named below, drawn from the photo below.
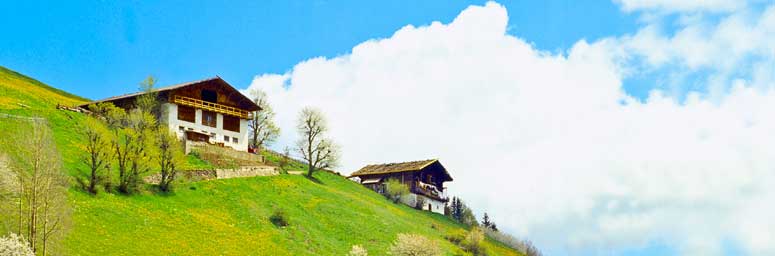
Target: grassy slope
(224, 216)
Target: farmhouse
(425, 180)
(208, 110)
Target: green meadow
(326, 216)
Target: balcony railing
(429, 190)
(209, 106)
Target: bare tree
(41, 186)
(263, 130)
(169, 157)
(319, 151)
(98, 152)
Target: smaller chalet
(425, 180)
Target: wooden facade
(212, 94)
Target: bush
(279, 218)
(473, 242)
(395, 190)
(524, 246)
(357, 250)
(456, 237)
(13, 245)
(470, 242)
(414, 245)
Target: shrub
(358, 250)
(473, 242)
(13, 245)
(470, 242)
(530, 249)
(395, 190)
(414, 245)
(524, 246)
(279, 218)
(456, 237)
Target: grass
(233, 217)
(218, 217)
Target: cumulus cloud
(550, 144)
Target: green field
(220, 217)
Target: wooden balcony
(209, 106)
(429, 191)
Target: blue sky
(631, 127)
(99, 49)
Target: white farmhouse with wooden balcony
(208, 110)
(425, 180)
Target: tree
(456, 209)
(461, 213)
(140, 132)
(486, 222)
(98, 152)
(41, 186)
(148, 102)
(467, 217)
(531, 250)
(263, 130)
(132, 139)
(414, 245)
(169, 156)
(14, 245)
(394, 189)
(122, 137)
(318, 151)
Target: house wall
(170, 117)
(435, 205)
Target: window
(225, 138)
(231, 123)
(234, 139)
(187, 114)
(209, 118)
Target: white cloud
(670, 6)
(550, 144)
(704, 43)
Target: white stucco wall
(170, 117)
(436, 205)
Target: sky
(629, 127)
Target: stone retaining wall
(199, 175)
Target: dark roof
(413, 166)
(252, 104)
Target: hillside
(218, 217)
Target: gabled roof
(413, 166)
(243, 99)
